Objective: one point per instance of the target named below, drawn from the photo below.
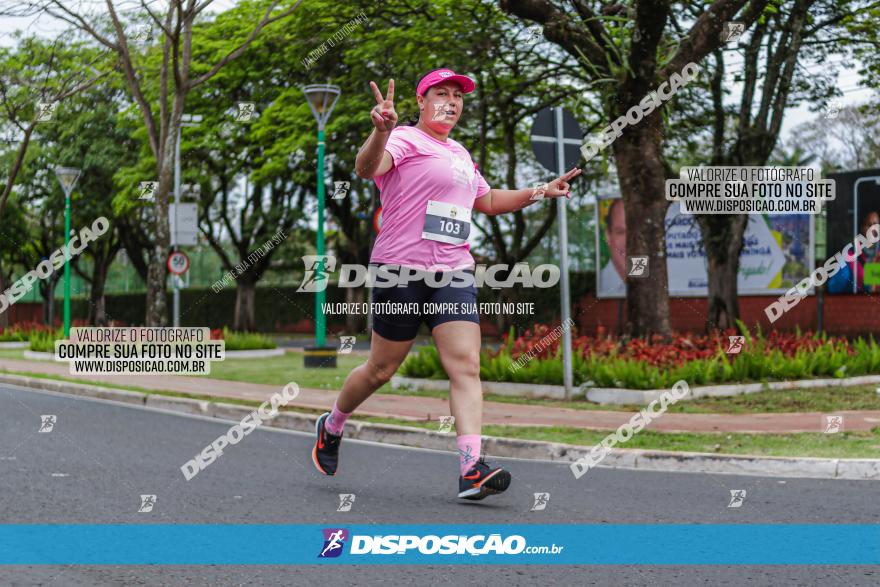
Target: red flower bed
(26, 327)
(657, 350)
(83, 323)
(31, 326)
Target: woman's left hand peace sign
(560, 186)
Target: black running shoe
(325, 455)
(482, 480)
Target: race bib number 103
(447, 223)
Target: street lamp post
(186, 120)
(321, 98)
(67, 177)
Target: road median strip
(658, 460)
(632, 397)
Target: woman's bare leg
(458, 343)
(384, 360)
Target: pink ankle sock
(336, 421)
(468, 451)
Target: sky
(848, 78)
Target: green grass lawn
(286, 368)
(271, 370)
(289, 367)
(828, 399)
(842, 445)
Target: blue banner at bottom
(565, 544)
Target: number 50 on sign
(178, 263)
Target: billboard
(856, 207)
(777, 252)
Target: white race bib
(446, 223)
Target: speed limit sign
(178, 263)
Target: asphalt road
(100, 457)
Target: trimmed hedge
(274, 307)
(280, 307)
(247, 341)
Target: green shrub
(14, 336)
(44, 342)
(247, 341)
(424, 363)
(21, 331)
(757, 362)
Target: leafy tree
(849, 139)
(94, 135)
(161, 92)
(15, 232)
(35, 74)
(788, 37)
(627, 50)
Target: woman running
(429, 184)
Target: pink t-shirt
(426, 169)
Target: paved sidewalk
(430, 408)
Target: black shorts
(407, 306)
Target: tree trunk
(48, 292)
(723, 241)
(245, 293)
(97, 312)
(643, 184)
(352, 296)
(17, 165)
(133, 249)
(157, 304)
(504, 321)
(4, 315)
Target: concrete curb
(255, 354)
(617, 396)
(651, 460)
(252, 354)
(94, 391)
(14, 345)
(39, 356)
(529, 390)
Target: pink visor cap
(445, 75)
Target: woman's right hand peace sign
(383, 114)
